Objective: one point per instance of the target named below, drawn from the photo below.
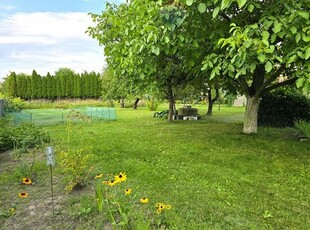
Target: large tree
(267, 46)
(145, 42)
(252, 43)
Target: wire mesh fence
(62, 116)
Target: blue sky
(46, 35)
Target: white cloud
(21, 27)
(7, 7)
(47, 41)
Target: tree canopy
(255, 45)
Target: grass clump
(304, 128)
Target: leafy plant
(303, 127)
(123, 208)
(76, 167)
(26, 136)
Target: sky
(45, 35)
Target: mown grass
(214, 176)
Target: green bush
(14, 104)
(152, 104)
(303, 127)
(22, 137)
(27, 135)
(5, 134)
(282, 108)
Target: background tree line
(64, 84)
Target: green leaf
(202, 7)
(252, 67)
(293, 29)
(156, 51)
(124, 218)
(248, 43)
(225, 4)
(231, 68)
(277, 27)
(251, 8)
(241, 3)
(215, 12)
(297, 37)
(300, 82)
(292, 59)
(261, 58)
(268, 66)
(189, 2)
(304, 14)
(167, 39)
(265, 35)
(307, 53)
(305, 37)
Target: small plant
(27, 136)
(76, 167)
(123, 208)
(152, 104)
(304, 128)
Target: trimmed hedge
(282, 108)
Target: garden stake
(51, 162)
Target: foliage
(75, 166)
(22, 137)
(282, 108)
(150, 52)
(6, 131)
(12, 104)
(64, 84)
(124, 209)
(303, 127)
(152, 104)
(27, 136)
(75, 162)
(164, 44)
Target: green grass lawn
(214, 176)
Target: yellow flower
(167, 206)
(12, 210)
(26, 181)
(23, 195)
(98, 176)
(109, 182)
(160, 206)
(158, 211)
(128, 191)
(144, 200)
(121, 177)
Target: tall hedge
(64, 84)
(282, 107)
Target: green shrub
(152, 104)
(21, 137)
(14, 104)
(27, 135)
(282, 108)
(303, 127)
(5, 134)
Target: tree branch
(273, 77)
(244, 85)
(283, 83)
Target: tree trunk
(171, 103)
(122, 102)
(251, 115)
(211, 101)
(135, 105)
